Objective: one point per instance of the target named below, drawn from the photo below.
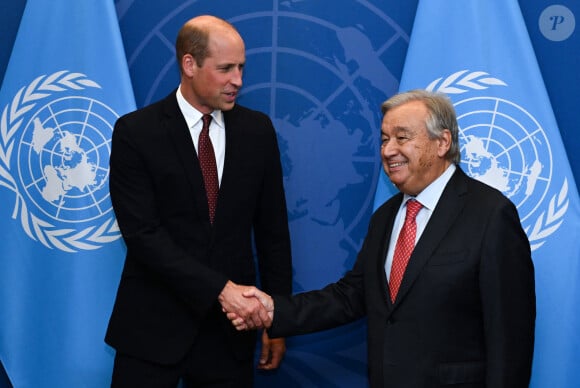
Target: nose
(237, 77)
(388, 148)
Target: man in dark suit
(464, 313)
(186, 261)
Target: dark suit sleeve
(334, 305)
(508, 299)
(270, 223)
(136, 207)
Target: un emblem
(54, 156)
(320, 75)
(504, 146)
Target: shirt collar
(193, 116)
(431, 194)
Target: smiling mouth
(397, 164)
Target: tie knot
(206, 119)
(413, 207)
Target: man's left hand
(273, 350)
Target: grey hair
(441, 116)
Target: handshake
(246, 307)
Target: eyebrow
(399, 129)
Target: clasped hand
(246, 306)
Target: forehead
(226, 45)
(410, 115)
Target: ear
(444, 143)
(188, 65)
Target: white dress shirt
(428, 198)
(217, 130)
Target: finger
(264, 299)
(265, 353)
(237, 321)
(251, 322)
(257, 324)
(265, 317)
(259, 317)
(276, 357)
(276, 354)
(232, 316)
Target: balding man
(194, 177)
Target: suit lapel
(176, 127)
(232, 143)
(236, 150)
(447, 210)
(385, 230)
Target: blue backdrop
(321, 69)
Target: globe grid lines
(159, 32)
(530, 139)
(87, 131)
(272, 81)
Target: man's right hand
(247, 306)
(265, 300)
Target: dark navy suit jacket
(177, 262)
(465, 312)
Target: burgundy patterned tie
(208, 166)
(404, 247)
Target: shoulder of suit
(243, 110)
(389, 205)
(153, 108)
(483, 191)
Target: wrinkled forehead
(412, 114)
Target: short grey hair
(441, 116)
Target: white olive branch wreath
(68, 240)
(548, 221)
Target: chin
(393, 178)
(227, 106)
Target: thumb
(249, 292)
